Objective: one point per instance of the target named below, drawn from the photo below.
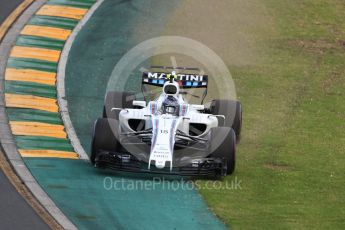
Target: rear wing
(184, 80)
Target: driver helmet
(171, 106)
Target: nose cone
(160, 164)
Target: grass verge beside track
(291, 158)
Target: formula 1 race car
(167, 134)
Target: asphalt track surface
(15, 212)
(6, 7)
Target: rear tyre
(104, 137)
(115, 99)
(232, 110)
(223, 145)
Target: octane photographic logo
(172, 51)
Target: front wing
(204, 167)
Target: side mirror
(218, 116)
(141, 104)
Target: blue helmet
(171, 106)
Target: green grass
(291, 159)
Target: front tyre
(105, 137)
(223, 145)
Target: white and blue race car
(167, 134)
